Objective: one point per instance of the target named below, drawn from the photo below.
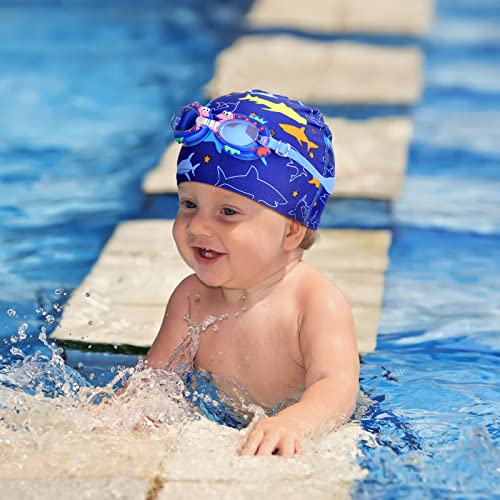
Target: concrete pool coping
(201, 460)
(403, 17)
(330, 72)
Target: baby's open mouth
(206, 253)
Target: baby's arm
(328, 345)
(174, 327)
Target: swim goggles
(242, 136)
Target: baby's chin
(209, 280)
(218, 282)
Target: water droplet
(39, 310)
(57, 307)
(80, 365)
(11, 312)
(115, 347)
(22, 329)
(43, 336)
(243, 297)
(90, 321)
(50, 319)
(14, 339)
(215, 328)
(22, 336)
(87, 294)
(16, 351)
(58, 291)
(90, 346)
(209, 320)
(91, 376)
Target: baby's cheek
(178, 230)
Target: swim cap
(267, 147)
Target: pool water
(86, 93)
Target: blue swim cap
(267, 147)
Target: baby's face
(228, 239)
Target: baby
(254, 174)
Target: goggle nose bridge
(207, 122)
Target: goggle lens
(184, 119)
(239, 133)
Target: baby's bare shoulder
(326, 315)
(193, 297)
(189, 287)
(314, 285)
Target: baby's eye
(229, 211)
(188, 204)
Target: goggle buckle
(282, 149)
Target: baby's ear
(294, 235)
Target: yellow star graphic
(207, 159)
(295, 194)
(315, 182)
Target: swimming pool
(86, 97)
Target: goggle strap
(286, 150)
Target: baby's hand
(279, 435)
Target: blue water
(434, 375)
(86, 92)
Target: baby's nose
(200, 224)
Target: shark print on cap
(265, 193)
(185, 167)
